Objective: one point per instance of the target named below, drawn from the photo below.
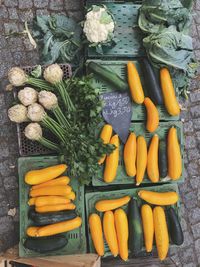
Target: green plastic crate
(119, 67)
(92, 198)
(139, 129)
(127, 31)
(76, 238)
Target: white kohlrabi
(50, 101)
(98, 25)
(27, 96)
(33, 131)
(18, 113)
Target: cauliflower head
(98, 25)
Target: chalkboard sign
(117, 111)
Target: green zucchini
(135, 228)
(108, 76)
(45, 244)
(174, 227)
(152, 83)
(51, 217)
(162, 159)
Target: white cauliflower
(18, 113)
(98, 25)
(27, 96)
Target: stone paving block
(194, 215)
(3, 12)
(190, 142)
(186, 255)
(192, 168)
(10, 3)
(197, 248)
(73, 5)
(196, 123)
(190, 200)
(10, 182)
(41, 4)
(56, 5)
(193, 153)
(195, 111)
(13, 13)
(10, 27)
(195, 182)
(196, 230)
(40, 12)
(195, 96)
(188, 127)
(26, 15)
(24, 4)
(4, 208)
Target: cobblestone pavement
(18, 51)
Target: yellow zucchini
(152, 160)
(105, 135)
(141, 159)
(148, 226)
(130, 155)
(96, 233)
(161, 232)
(159, 198)
(111, 204)
(43, 175)
(112, 161)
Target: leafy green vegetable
(156, 15)
(105, 18)
(172, 49)
(37, 72)
(59, 39)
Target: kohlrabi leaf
(37, 72)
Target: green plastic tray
(139, 129)
(92, 198)
(119, 67)
(126, 31)
(76, 238)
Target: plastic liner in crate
(26, 146)
(127, 32)
(139, 128)
(92, 198)
(120, 68)
(76, 238)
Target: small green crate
(139, 129)
(127, 31)
(76, 238)
(119, 67)
(92, 198)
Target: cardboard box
(83, 260)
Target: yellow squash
(171, 102)
(152, 115)
(161, 232)
(60, 227)
(130, 155)
(96, 233)
(135, 84)
(156, 198)
(148, 226)
(111, 204)
(64, 180)
(141, 159)
(152, 160)
(43, 175)
(58, 190)
(174, 155)
(31, 201)
(112, 161)
(32, 231)
(105, 135)
(71, 195)
(121, 224)
(110, 232)
(52, 208)
(51, 200)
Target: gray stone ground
(18, 51)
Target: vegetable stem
(43, 85)
(49, 144)
(61, 118)
(65, 96)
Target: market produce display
(67, 116)
(129, 227)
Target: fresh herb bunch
(85, 146)
(59, 39)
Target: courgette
(174, 227)
(135, 228)
(45, 244)
(162, 159)
(51, 217)
(152, 83)
(108, 76)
